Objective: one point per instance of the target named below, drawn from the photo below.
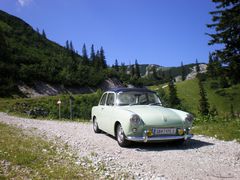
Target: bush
(47, 106)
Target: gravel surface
(201, 158)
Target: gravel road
(201, 158)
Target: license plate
(164, 131)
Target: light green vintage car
(136, 114)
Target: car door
(108, 111)
(101, 106)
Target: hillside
(28, 56)
(220, 98)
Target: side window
(103, 99)
(110, 99)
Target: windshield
(137, 98)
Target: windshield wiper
(132, 104)
(151, 104)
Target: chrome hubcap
(95, 125)
(120, 134)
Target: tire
(95, 126)
(120, 136)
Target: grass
(227, 130)
(221, 98)
(26, 157)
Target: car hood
(157, 115)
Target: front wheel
(95, 126)
(121, 138)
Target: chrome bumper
(146, 138)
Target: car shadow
(171, 145)
(164, 146)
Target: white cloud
(24, 2)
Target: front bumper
(146, 138)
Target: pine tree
(38, 31)
(218, 70)
(71, 46)
(226, 23)
(84, 55)
(92, 54)
(132, 71)
(197, 67)
(67, 45)
(210, 67)
(154, 73)
(8, 70)
(137, 70)
(203, 101)
(223, 83)
(102, 57)
(173, 100)
(97, 61)
(116, 66)
(183, 72)
(123, 69)
(44, 34)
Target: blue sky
(163, 32)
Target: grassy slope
(221, 128)
(188, 92)
(26, 157)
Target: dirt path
(201, 158)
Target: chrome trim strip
(162, 138)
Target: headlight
(135, 120)
(189, 118)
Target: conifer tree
(154, 73)
(223, 83)
(102, 57)
(116, 66)
(44, 34)
(203, 101)
(210, 67)
(123, 68)
(132, 71)
(38, 31)
(84, 55)
(197, 67)
(71, 46)
(92, 54)
(97, 61)
(226, 23)
(67, 45)
(7, 68)
(137, 70)
(173, 100)
(183, 72)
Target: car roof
(116, 90)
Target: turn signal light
(180, 132)
(150, 133)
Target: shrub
(47, 106)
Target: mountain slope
(220, 98)
(32, 57)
